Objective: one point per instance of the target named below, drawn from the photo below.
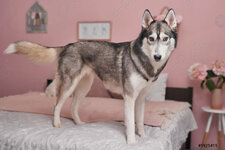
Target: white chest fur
(138, 82)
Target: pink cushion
(92, 109)
(98, 89)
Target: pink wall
(201, 39)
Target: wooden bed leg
(206, 131)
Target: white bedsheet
(26, 131)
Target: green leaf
(210, 85)
(223, 79)
(202, 84)
(211, 74)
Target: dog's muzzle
(157, 57)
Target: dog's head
(159, 38)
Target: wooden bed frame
(181, 94)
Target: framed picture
(94, 31)
(36, 19)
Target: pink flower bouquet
(212, 78)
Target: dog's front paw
(80, 123)
(57, 125)
(131, 141)
(142, 134)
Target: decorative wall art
(94, 31)
(36, 19)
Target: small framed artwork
(36, 19)
(100, 31)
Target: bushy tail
(37, 53)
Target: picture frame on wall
(36, 21)
(100, 31)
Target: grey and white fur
(127, 68)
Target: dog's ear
(171, 19)
(147, 19)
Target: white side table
(221, 119)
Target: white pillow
(158, 90)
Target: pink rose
(198, 71)
(218, 67)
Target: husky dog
(127, 68)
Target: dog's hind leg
(80, 92)
(66, 88)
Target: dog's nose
(157, 57)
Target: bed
(32, 131)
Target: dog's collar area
(139, 71)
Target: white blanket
(26, 131)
